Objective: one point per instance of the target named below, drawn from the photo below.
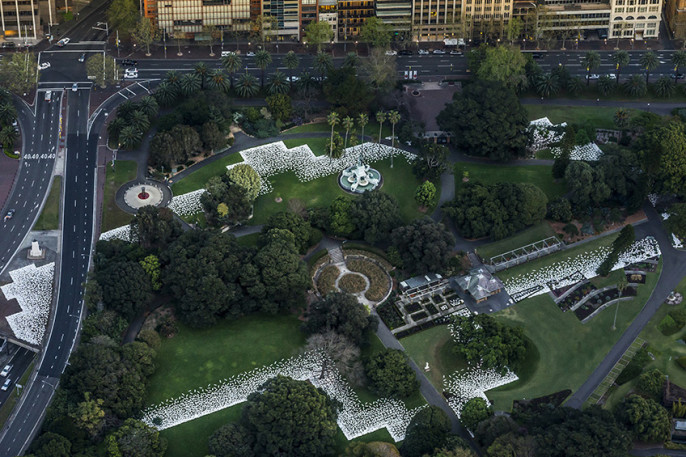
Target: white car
(293, 79)
(44, 66)
(455, 52)
(439, 51)
(249, 54)
(423, 52)
(74, 87)
(63, 42)
(593, 77)
(131, 73)
(391, 52)
(6, 385)
(612, 75)
(227, 53)
(5, 371)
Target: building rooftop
(480, 283)
(418, 281)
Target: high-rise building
(286, 17)
(23, 20)
(328, 12)
(635, 19)
(308, 13)
(351, 17)
(435, 20)
(188, 17)
(675, 15)
(397, 14)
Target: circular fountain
(359, 178)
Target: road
(20, 361)
(77, 226)
(39, 131)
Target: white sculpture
(358, 175)
(36, 251)
(426, 368)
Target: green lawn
(398, 181)
(113, 217)
(197, 179)
(540, 175)
(318, 145)
(249, 240)
(433, 346)
(535, 233)
(371, 129)
(50, 216)
(597, 116)
(569, 351)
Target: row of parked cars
(4, 373)
(423, 52)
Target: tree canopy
(376, 214)
(390, 375)
(487, 119)
(343, 314)
(475, 411)
(424, 245)
(154, 228)
(428, 430)
(504, 64)
(647, 419)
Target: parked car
(612, 75)
(423, 52)
(537, 55)
(227, 53)
(249, 54)
(74, 87)
(9, 215)
(63, 42)
(129, 62)
(131, 73)
(455, 52)
(391, 52)
(293, 79)
(592, 77)
(439, 51)
(678, 75)
(9, 44)
(405, 52)
(6, 385)
(5, 371)
(82, 57)
(44, 66)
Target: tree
(649, 62)
(212, 33)
(380, 69)
(151, 266)
(362, 121)
(123, 290)
(652, 383)
(380, 118)
(291, 61)
(88, 414)
(605, 85)
(636, 86)
(348, 123)
(621, 59)
(212, 137)
(340, 221)
(560, 210)
(135, 439)
(390, 375)
(586, 185)
(19, 72)
(475, 411)
(647, 419)
(145, 33)
(232, 63)
(148, 106)
(514, 29)
(246, 86)
(547, 85)
(664, 87)
(672, 157)
(678, 60)
(343, 352)
(393, 118)
(278, 84)
(346, 92)
(487, 119)
(201, 72)
(621, 118)
(318, 33)
(677, 219)
(425, 194)
(428, 430)
(191, 83)
(50, 444)
(94, 70)
(166, 93)
(343, 314)
(8, 136)
(432, 161)
(351, 60)
(482, 339)
(123, 15)
(424, 245)
(376, 33)
(280, 106)
(232, 440)
(294, 223)
(333, 119)
(262, 60)
(376, 213)
(323, 63)
(289, 417)
(8, 113)
(504, 64)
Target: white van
(48, 95)
(227, 53)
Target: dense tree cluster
(154, 228)
(620, 244)
(424, 245)
(132, 121)
(495, 210)
(482, 339)
(305, 235)
(230, 197)
(427, 431)
(474, 412)
(646, 419)
(390, 375)
(487, 119)
(342, 314)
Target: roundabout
(139, 193)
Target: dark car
(537, 55)
(405, 52)
(9, 215)
(129, 62)
(678, 75)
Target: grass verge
(598, 116)
(535, 233)
(198, 178)
(317, 145)
(49, 218)
(488, 173)
(123, 172)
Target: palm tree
(8, 136)
(7, 113)
(189, 84)
(591, 61)
(351, 60)
(201, 71)
(130, 137)
(323, 64)
(621, 59)
(380, 118)
(246, 86)
(605, 85)
(217, 80)
(114, 128)
(547, 85)
(172, 77)
(232, 63)
(678, 59)
(306, 82)
(650, 62)
(393, 118)
(362, 120)
(333, 120)
(149, 106)
(636, 86)
(140, 121)
(262, 60)
(166, 93)
(125, 109)
(348, 123)
(575, 85)
(291, 61)
(278, 83)
(664, 87)
(621, 118)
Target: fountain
(359, 178)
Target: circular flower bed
(379, 281)
(326, 282)
(352, 283)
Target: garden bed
(390, 315)
(647, 267)
(352, 249)
(601, 299)
(576, 296)
(379, 282)
(636, 278)
(327, 279)
(413, 308)
(419, 316)
(352, 283)
(537, 405)
(431, 309)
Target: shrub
(679, 316)
(682, 362)
(651, 383)
(634, 368)
(668, 326)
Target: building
(351, 17)
(23, 20)
(486, 18)
(675, 15)
(480, 284)
(309, 12)
(188, 17)
(328, 12)
(635, 19)
(397, 14)
(434, 20)
(286, 16)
